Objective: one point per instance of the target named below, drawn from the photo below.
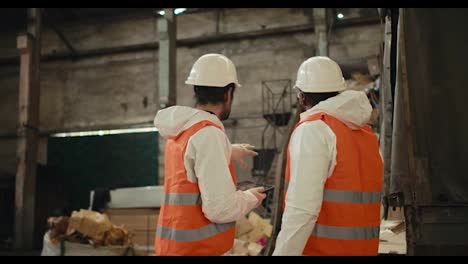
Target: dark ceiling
(14, 19)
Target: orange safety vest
(349, 219)
(183, 229)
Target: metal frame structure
(277, 106)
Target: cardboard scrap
(91, 224)
(88, 227)
(251, 233)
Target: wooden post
(28, 132)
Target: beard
(225, 115)
(226, 112)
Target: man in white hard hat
(334, 171)
(201, 202)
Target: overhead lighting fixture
(177, 11)
(106, 132)
(340, 16)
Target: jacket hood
(173, 120)
(351, 107)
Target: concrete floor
(392, 243)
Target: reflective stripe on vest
(182, 198)
(195, 234)
(350, 196)
(189, 199)
(346, 233)
(338, 196)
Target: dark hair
(212, 95)
(313, 99)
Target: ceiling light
(179, 11)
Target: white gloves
(240, 151)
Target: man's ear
(228, 94)
(301, 98)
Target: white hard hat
(320, 75)
(214, 70)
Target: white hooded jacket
(313, 153)
(206, 161)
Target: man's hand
(240, 151)
(258, 193)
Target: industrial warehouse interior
(96, 160)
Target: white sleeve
(206, 161)
(312, 156)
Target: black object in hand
(245, 185)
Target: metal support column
(167, 58)
(321, 31)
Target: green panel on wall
(114, 161)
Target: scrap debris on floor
(392, 237)
(252, 234)
(85, 233)
(393, 233)
(89, 233)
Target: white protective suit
(206, 161)
(313, 158)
